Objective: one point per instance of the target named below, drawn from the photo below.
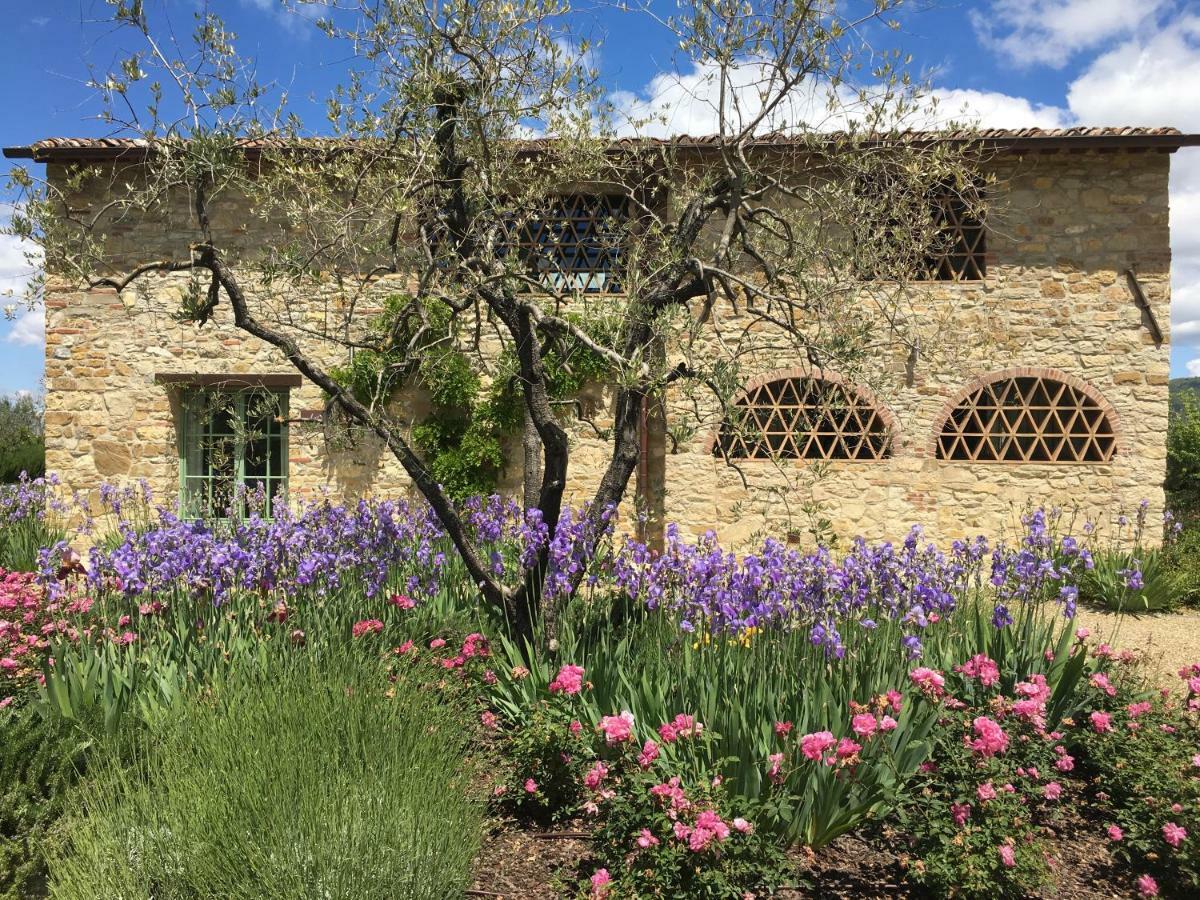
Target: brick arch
(982, 381)
(867, 396)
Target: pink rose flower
(990, 738)
(960, 812)
(864, 725)
(783, 729)
(437, 643)
(686, 726)
(813, 745)
(1115, 833)
(400, 601)
(1174, 834)
(1052, 791)
(1100, 681)
(595, 775)
(776, 763)
(1101, 721)
(847, 748)
(931, 683)
(648, 755)
(366, 626)
(742, 826)
(531, 786)
(646, 839)
(1147, 886)
(981, 667)
(985, 791)
(709, 828)
(600, 884)
(887, 723)
(617, 728)
(1007, 856)
(569, 680)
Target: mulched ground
(530, 863)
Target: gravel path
(1171, 639)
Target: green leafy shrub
(666, 825)
(303, 782)
(1182, 556)
(732, 685)
(22, 443)
(976, 813)
(1183, 456)
(41, 759)
(1142, 756)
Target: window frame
(989, 402)
(877, 440)
(191, 425)
(531, 249)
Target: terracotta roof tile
(66, 148)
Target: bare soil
(1171, 640)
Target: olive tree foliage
(795, 230)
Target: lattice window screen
(962, 246)
(1028, 419)
(804, 418)
(576, 244)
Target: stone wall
(1066, 228)
(1055, 298)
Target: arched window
(1028, 418)
(804, 418)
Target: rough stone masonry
(1082, 210)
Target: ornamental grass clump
(297, 782)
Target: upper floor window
(961, 250)
(234, 450)
(804, 418)
(1027, 419)
(575, 244)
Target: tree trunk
(532, 470)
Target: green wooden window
(232, 440)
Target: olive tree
(453, 135)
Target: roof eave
(1168, 143)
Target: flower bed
(699, 714)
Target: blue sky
(1009, 62)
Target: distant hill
(1181, 386)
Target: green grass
(297, 781)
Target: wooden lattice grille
(960, 254)
(576, 244)
(1028, 419)
(804, 418)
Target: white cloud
(689, 103)
(296, 18)
(1144, 81)
(1050, 32)
(992, 109)
(1151, 80)
(1193, 367)
(28, 329)
(15, 268)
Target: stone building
(1043, 379)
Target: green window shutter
(231, 443)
